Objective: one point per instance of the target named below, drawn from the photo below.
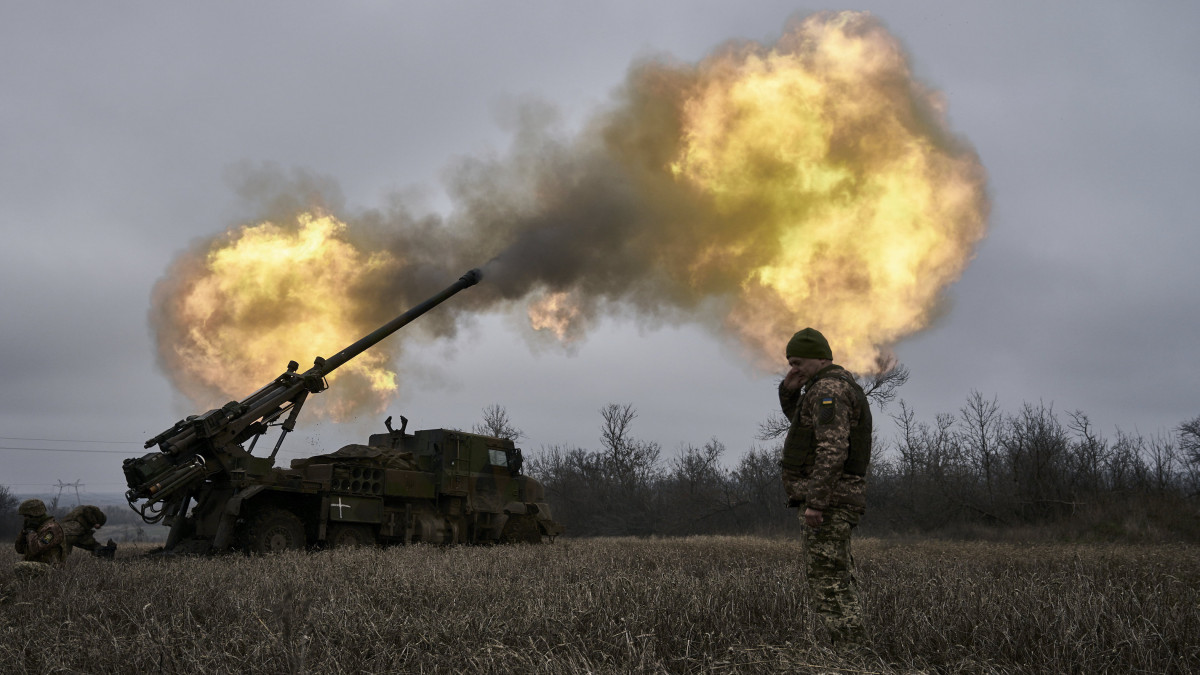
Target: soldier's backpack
(46, 537)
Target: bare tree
(881, 385)
(694, 469)
(1164, 458)
(614, 431)
(773, 427)
(9, 520)
(631, 461)
(1189, 447)
(980, 422)
(496, 423)
(1036, 448)
(1125, 468)
(1090, 453)
(944, 456)
(1189, 440)
(576, 482)
(912, 453)
(700, 494)
(758, 481)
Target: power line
(112, 452)
(48, 484)
(291, 453)
(64, 440)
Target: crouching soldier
(79, 526)
(41, 543)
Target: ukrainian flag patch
(825, 412)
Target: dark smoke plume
(684, 199)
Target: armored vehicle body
(435, 486)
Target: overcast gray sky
(121, 124)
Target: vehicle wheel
(272, 530)
(521, 529)
(349, 536)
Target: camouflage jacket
(824, 484)
(79, 526)
(80, 535)
(45, 530)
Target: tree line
(967, 473)
(975, 472)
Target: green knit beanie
(809, 344)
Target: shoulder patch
(826, 410)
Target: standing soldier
(41, 541)
(825, 458)
(78, 526)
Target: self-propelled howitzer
(393, 489)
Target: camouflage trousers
(829, 567)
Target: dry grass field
(696, 605)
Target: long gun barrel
(218, 433)
(469, 279)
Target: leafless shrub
(496, 423)
(10, 522)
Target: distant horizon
(117, 498)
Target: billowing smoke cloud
(764, 189)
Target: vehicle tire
(521, 529)
(349, 536)
(272, 530)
